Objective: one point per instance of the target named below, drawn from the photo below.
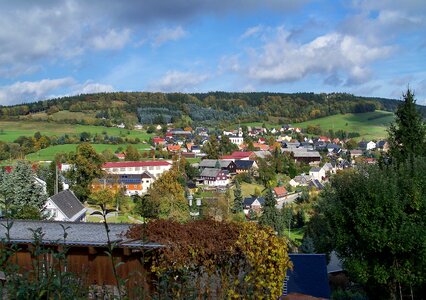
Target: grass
(370, 125)
(11, 130)
(50, 152)
(247, 189)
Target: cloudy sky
(54, 48)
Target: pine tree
(51, 180)
(270, 214)
(407, 136)
(238, 199)
(25, 197)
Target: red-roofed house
(280, 193)
(121, 156)
(240, 155)
(173, 148)
(158, 141)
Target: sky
(52, 48)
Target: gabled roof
(248, 201)
(315, 183)
(309, 275)
(212, 163)
(280, 191)
(68, 204)
(244, 164)
(210, 172)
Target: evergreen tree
(51, 180)
(270, 214)
(211, 148)
(238, 199)
(24, 196)
(407, 136)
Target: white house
(155, 168)
(64, 206)
(317, 173)
(237, 140)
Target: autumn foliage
(219, 259)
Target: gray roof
(262, 154)
(211, 163)
(210, 172)
(307, 154)
(315, 169)
(83, 234)
(68, 203)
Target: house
(214, 177)
(329, 168)
(317, 173)
(311, 157)
(356, 153)
(173, 148)
(86, 244)
(333, 148)
(228, 165)
(245, 166)
(280, 193)
(302, 180)
(120, 156)
(308, 277)
(254, 203)
(65, 206)
(383, 145)
(158, 141)
(154, 167)
(240, 155)
(316, 184)
(133, 184)
(196, 149)
(237, 140)
(367, 145)
(262, 154)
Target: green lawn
(11, 130)
(371, 125)
(247, 189)
(50, 152)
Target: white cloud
(176, 81)
(90, 87)
(112, 40)
(229, 63)
(169, 34)
(26, 91)
(330, 55)
(252, 31)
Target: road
(289, 199)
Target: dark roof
(248, 201)
(210, 172)
(212, 163)
(68, 203)
(81, 234)
(309, 275)
(244, 164)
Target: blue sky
(55, 48)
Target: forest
(203, 108)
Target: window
(150, 168)
(122, 169)
(157, 167)
(137, 168)
(115, 169)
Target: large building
(133, 176)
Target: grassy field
(11, 130)
(371, 125)
(49, 152)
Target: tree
(266, 173)
(23, 195)
(377, 216)
(211, 148)
(169, 196)
(238, 199)
(87, 166)
(51, 179)
(270, 214)
(132, 154)
(407, 135)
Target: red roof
(173, 147)
(158, 140)
(129, 164)
(238, 154)
(280, 191)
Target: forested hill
(202, 108)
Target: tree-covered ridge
(206, 107)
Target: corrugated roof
(83, 234)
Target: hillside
(210, 109)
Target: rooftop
(127, 164)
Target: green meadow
(370, 125)
(11, 130)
